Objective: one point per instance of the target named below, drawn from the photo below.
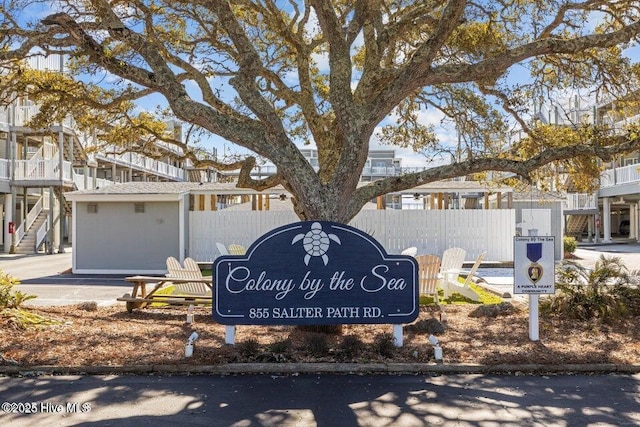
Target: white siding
(116, 239)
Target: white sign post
(534, 262)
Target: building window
(92, 208)
(192, 201)
(201, 202)
(138, 207)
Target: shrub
(583, 294)
(316, 344)
(630, 297)
(10, 298)
(351, 346)
(570, 244)
(11, 305)
(280, 347)
(249, 348)
(384, 345)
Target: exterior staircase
(576, 225)
(59, 192)
(28, 242)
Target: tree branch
(616, 145)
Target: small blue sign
(315, 273)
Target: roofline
(133, 197)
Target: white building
(37, 168)
(613, 211)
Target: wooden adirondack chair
(428, 276)
(237, 250)
(191, 270)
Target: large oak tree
(271, 75)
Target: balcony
(24, 115)
(4, 118)
(381, 171)
(145, 164)
(41, 171)
(5, 169)
(576, 203)
(619, 176)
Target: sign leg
(398, 335)
(230, 334)
(534, 318)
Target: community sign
(534, 262)
(315, 273)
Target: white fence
(431, 231)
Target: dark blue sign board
(315, 273)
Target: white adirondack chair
(454, 285)
(411, 251)
(222, 249)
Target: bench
(139, 298)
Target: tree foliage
(271, 75)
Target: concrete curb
(318, 368)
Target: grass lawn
(486, 297)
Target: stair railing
(41, 234)
(28, 222)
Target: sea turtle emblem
(316, 242)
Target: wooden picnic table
(139, 298)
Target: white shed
(131, 228)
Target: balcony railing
(79, 181)
(47, 62)
(25, 113)
(41, 233)
(41, 170)
(580, 201)
(380, 171)
(5, 169)
(144, 163)
(4, 116)
(619, 126)
(623, 175)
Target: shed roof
(161, 190)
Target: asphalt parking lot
(49, 277)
